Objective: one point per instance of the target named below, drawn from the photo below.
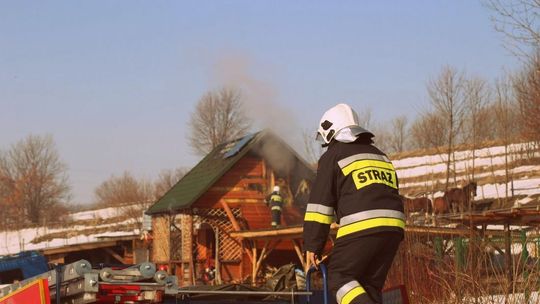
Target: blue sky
(115, 82)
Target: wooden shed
(223, 193)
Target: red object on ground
(36, 292)
(109, 293)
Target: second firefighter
(275, 202)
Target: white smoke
(260, 97)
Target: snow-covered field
(426, 174)
(116, 225)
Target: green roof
(208, 171)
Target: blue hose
(322, 268)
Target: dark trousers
(276, 218)
(358, 267)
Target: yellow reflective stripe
(353, 293)
(371, 223)
(362, 164)
(276, 208)
(319, 218)
(276, 198)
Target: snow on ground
(422, 167)
(95, 214)
(480, 154)
(533, 170)
(521, 187)
(16, 241)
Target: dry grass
(437, 270)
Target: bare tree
(218, 118)
(167, 179)
(519, 22)
(527, 89)
(505, 117)
(476, 97)
(382, 137)
(33, 179)
(428, 131)
(131, 195)
(446, 94)
(9, 201)
(123, 190)
(398, 137)
(365, 118)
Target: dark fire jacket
(356, 186)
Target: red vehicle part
(36, 293)
(124, 293)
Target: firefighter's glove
(311, 259)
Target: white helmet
(336, 119)
(276, 188)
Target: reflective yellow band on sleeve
(319, 218)
(371, 223)
(353, 293)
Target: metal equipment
(78, 283)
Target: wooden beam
(57, 258)
(254, 266)
(230, 215)
(299, 253)
(236, 227)
(265, 253)
(261, 257)
(294, 232)
(272, 248)
(79, 247)
(115, 255)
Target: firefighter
(275, 201)
(356, 185)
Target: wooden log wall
(161, 247)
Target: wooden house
(225, 193)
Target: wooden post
(242, 263)
(218, 262)
(254, 266)
(266, 252)
(299, 253)
(261, 257)
(187, 248)
(272, 179)
(508, 252)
